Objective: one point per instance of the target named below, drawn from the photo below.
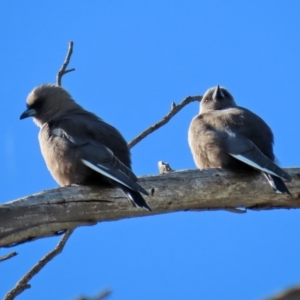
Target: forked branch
(63, 70)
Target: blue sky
(132, 59)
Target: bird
(78, 147)
(224, 135)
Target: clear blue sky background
(132, 59)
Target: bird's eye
(38, 104)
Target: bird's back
(209, 130)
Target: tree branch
(62, 210)
(49, 212)
(63, 68)
(8, 256)
(23, 282)
(174, 110)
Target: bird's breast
(63, 160)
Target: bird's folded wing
(246, 151)
(101, 159)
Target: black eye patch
(37, 105)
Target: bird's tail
(135, 197)
(277, 184)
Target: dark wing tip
(135, 198)
(277, 184)
(287, 177)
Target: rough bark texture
(49, 212)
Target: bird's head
(216, 98)
(46, 102)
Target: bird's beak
(30, 112)
(218, 94)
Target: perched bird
(228, 136)
(79, 147)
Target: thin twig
(22, 284)
(63, 68)
(103, 295)
(174, 110)
(8, 256)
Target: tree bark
(49, 212)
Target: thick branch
(22, 284)
(64, 66)
(174, 110)
(49, 212)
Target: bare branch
(49, 212)
(63, 68)
(23, 282)
(174, 110)
(8, 256)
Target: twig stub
(164, 168)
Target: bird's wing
(102, 160)
(96, 155)
(246, 151)
(277, 184)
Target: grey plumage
(79, 147)
(225, 135)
